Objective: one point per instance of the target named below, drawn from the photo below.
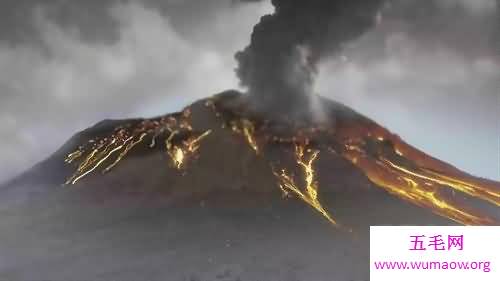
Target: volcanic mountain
(221, 191)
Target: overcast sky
(430, 70)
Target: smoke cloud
(279, 65)
(75, 68)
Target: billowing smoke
(279, 65)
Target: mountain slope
(221, 192)
(228, 120)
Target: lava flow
(181, 144)
(383, 157)
(309, 194)
(414, 176)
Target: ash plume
(279, 65)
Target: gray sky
(430, 73)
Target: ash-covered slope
(219, 192)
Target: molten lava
(415, 177)
(181, 144)
(180, 153)
(384, 158)
(246, 128)
(309, 194)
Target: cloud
(418, 75)
(442, 98)
(64, 84)
(477, 7)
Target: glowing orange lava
(415, 177)
(181, 143)
(305, 159)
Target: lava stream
(305, 159)
(181, 144)
(405, 173)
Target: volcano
(221, 191)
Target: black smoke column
(279, 65)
